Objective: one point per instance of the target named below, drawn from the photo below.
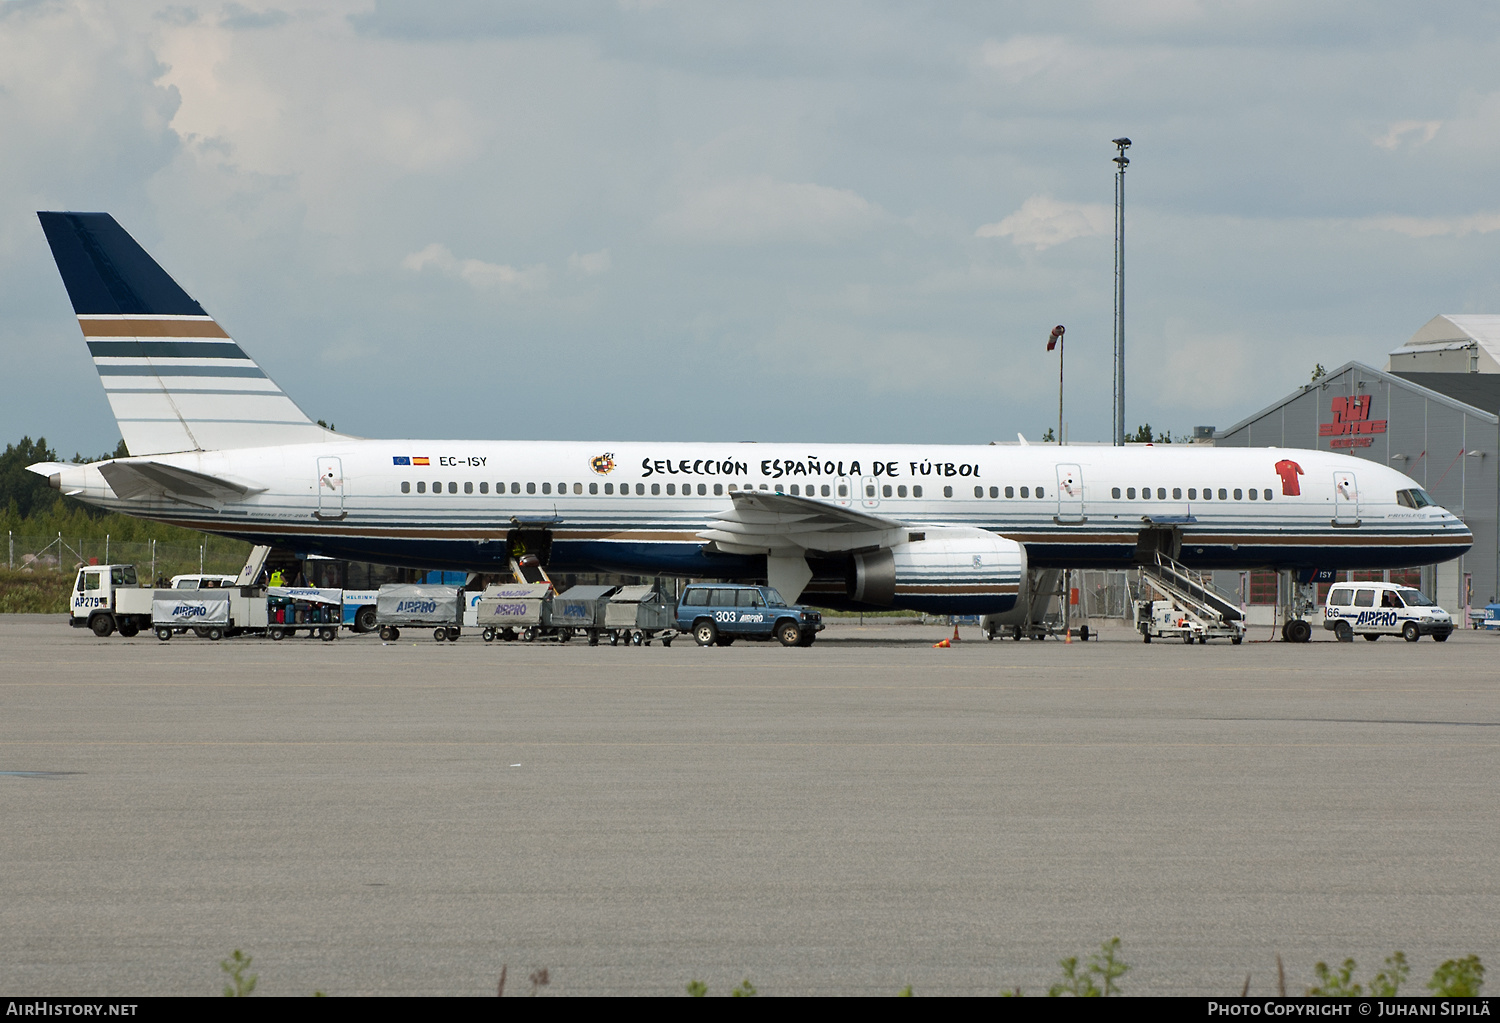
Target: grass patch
(40, 592)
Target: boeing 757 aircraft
(215, 445)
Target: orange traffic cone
(955, 638)
(942, 644)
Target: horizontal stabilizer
(135, 479)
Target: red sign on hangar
(1352, 426)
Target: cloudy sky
(769, 221)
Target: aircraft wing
(763, 523)
(145, 478)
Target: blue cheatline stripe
(196, 419)
(166, 350)
(180, 371)
(274, 392)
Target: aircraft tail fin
(175, 380)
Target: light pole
(1121, 162)
(1056, 340)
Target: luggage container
(511, 611)
(411, 605)
(579, 609)
(319, 612)
(212, 613)
(636, 615)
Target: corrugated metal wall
(1428, 437)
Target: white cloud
(590, 263)
(1043, 222)
(1436, 227)
(476, 273)
(1409, 133)
(762, 209)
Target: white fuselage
(639, 506)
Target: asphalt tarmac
(406, 818)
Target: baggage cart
(318, 612)
(511, 611)
(580, 609)
(636, 615)
(212, 613)
(413, 605)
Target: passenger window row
(1010, 492)
(1192, 494)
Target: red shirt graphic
(1289, 470)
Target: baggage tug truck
(108, 597)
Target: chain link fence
(61, 553)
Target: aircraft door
(869, 492)
(1069, 493)
(330, 489)
(845, 488)
(1345, 499)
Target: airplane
(215, 445)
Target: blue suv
(721, 613)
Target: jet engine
(947, 571)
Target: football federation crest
(603, 464)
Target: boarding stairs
(1200, 609)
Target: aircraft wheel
(1410, 632)
(704, 632)
(1015, 633)
(1298, 631)
(164, 634)
(1343, 633)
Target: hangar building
(1432, 414)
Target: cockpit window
(1414, 498)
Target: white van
(1373, 610)
(197, 582)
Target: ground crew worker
(276, 578)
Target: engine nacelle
(949, 571)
